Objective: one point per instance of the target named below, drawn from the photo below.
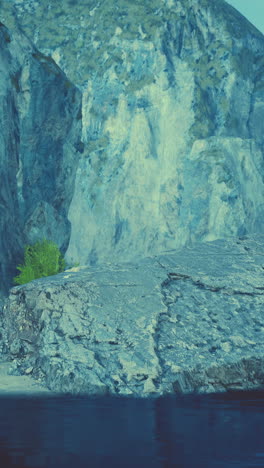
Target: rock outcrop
(132, 129)
(172, 126)
(184, 321)
(40, 118)
(18, 385)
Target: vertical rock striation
(40, 128)
(172, 127)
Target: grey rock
(190, 320)
(12, 383)
(160, 146)
(40, 127)
(171, 150)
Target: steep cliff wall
(173, 120)
(40, 111)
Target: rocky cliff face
(185, 321)
(165, 149)
(173, 112)
(40, 112)
(172, 127)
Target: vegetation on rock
(41, 259)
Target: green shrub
(41, 259)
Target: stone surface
(132, 129)
(190, 320)
(172, 124)
(40, 128)
(18, 385)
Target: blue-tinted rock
(173, 97)
(39, 110)
(184, 321)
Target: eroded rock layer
(184, 321)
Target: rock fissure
(201, 284)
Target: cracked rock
(145, 328)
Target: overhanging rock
(185, 321)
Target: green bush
(41, 259)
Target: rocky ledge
(184, 321)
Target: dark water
(220, 431)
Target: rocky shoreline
(184, 321)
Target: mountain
(168, 146)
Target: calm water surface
(220, 431)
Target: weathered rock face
(166, 149)
(40, 112)
(183, 321)
(173, 121)
(173, 112)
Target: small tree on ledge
(41, 259)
